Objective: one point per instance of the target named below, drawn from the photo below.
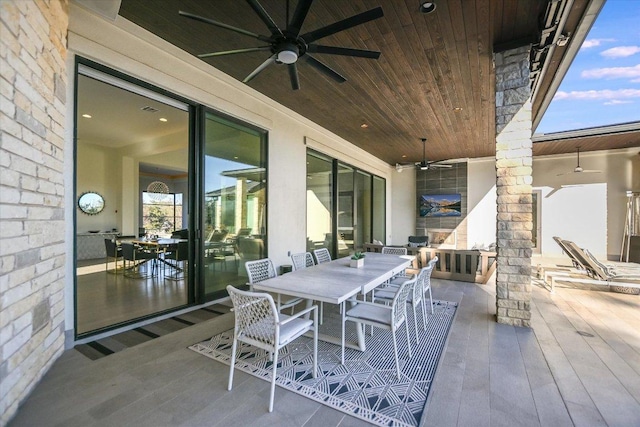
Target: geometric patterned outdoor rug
(366, 386)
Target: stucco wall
(32, 251)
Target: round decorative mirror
(91, 203)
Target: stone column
(513, 186)
(33, 40)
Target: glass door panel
(319, 203)
(379, 209)
(345, 210)
(132, 147)
(362, 210)
(235, 183)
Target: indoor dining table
(336, 282)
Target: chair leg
(273, 380)
(431, 300)
(395, 352)
(233, 362)
(424, 314)
(415, 323)
(406, 327)
(343, 311)
(315, 343)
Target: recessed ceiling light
(404, 156)
(162, 119)
(86, 116)
(457, 109)
(235, 157)
(364, 126)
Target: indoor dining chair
(389, 317)
(259, 324)
(263, 269)
(114, 253)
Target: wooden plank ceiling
(434, 78)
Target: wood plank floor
(578, 365)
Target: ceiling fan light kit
(427, 6)
(287, 45)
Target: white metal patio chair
(389, 317)
(322, 255)
(258, 323)
(302, 260)
(262, 269)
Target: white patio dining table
(335, 282)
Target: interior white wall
(481, 199)
(128, 48)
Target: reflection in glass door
(362, 210)
(346, 206)
(319, 203)
(128, 138)
(235, 199)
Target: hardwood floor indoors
(578, 365)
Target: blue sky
(602, 86)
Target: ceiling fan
(578, 168)
(287, 45)
(424, 164)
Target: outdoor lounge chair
(594, 272)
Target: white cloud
(612, 73)
(617, 102)
(594, 42)
(589, 95)
(620, 51)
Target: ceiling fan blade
(270, 60)
(233, 52)
(439, 165)
(270, 23)
(334, 50)
(345, 24)
(298, 17)
(293, 75)
(324, 69)
(225, 26)
(590, 171)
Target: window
(161, 213)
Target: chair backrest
(576, 254)
(301, 260)
(111, 248)
(602, 270)
(244, 232)
(576, 262)
(423, 282)
(417, 241)
(391, 250)
(128, 251)
(433, 261)
(256, 317)
(259, 270)
(322, 255)
(399, 304)
(182, 251)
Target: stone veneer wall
(513, 185)
(443, 181)
(33, 50)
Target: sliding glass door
(235, 197)
(132, 149)
(344, 202)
